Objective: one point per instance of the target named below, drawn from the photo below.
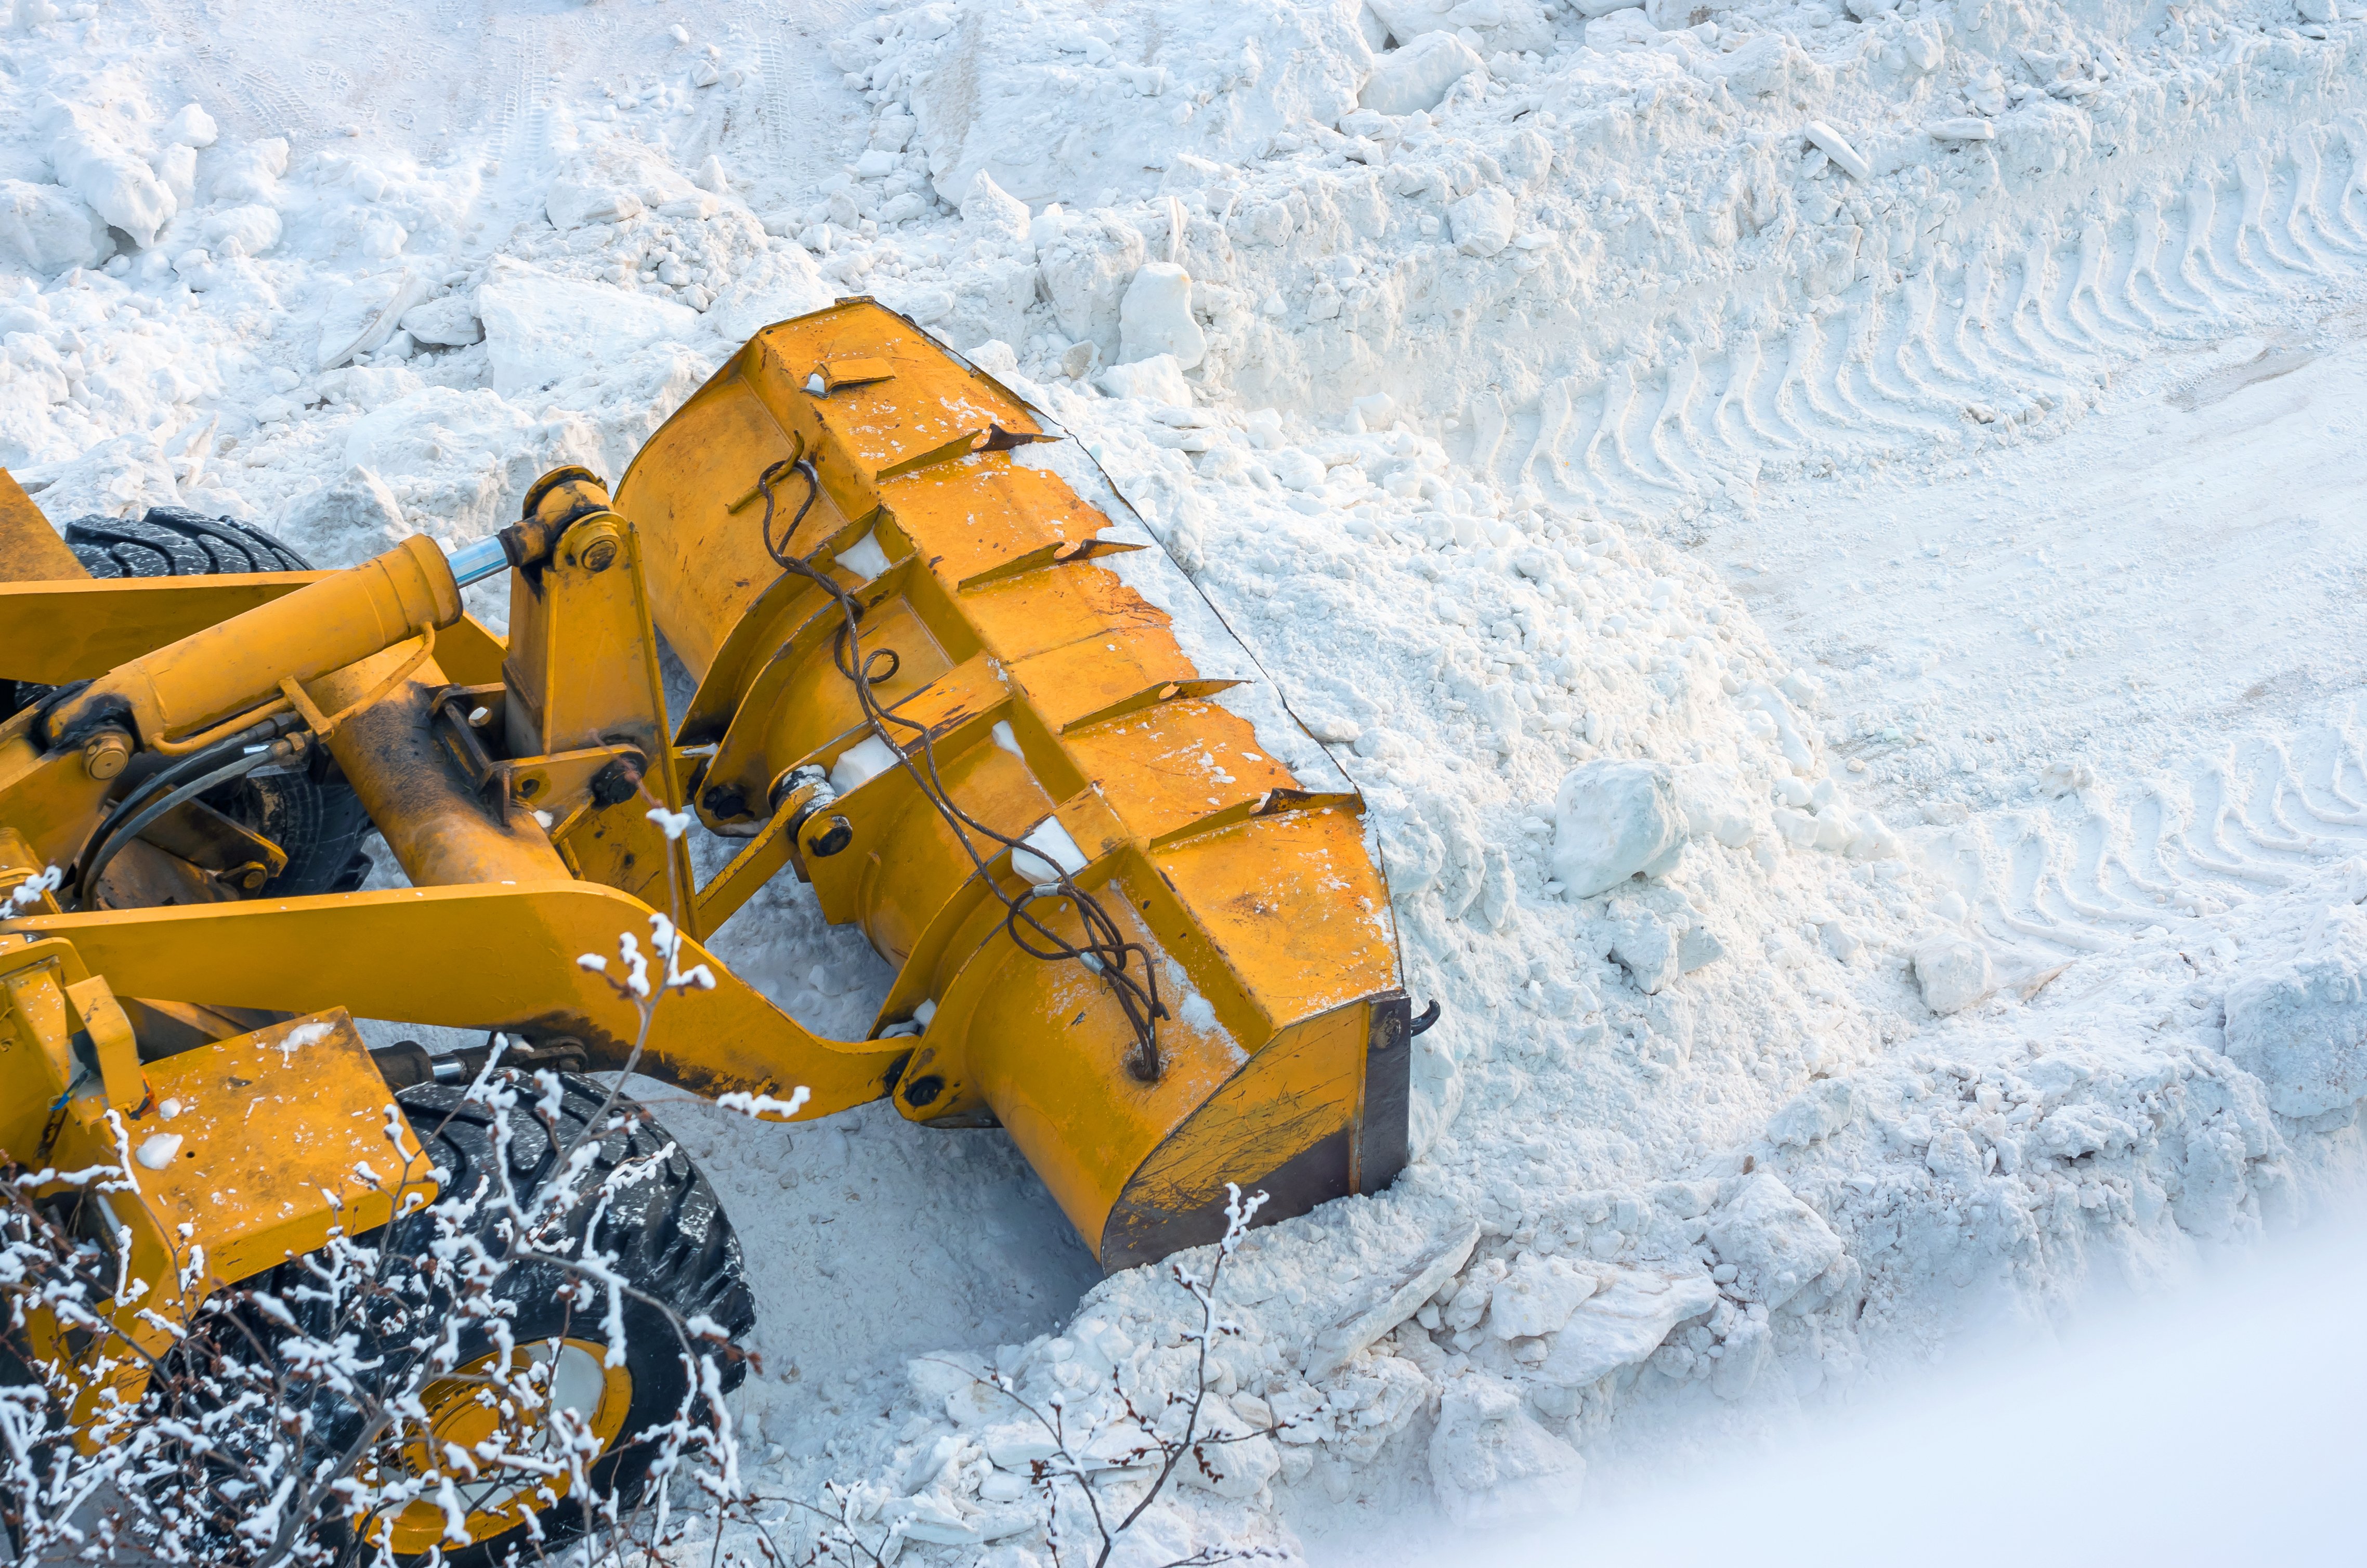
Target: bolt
(598, 550)
(104, 755)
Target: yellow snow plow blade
(1022, 713)
(1123, 928)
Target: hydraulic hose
(162, 793)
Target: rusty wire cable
(1106, 950)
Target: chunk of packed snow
(1642, 944)
(1963, 127)
(1613, 820)
(247, 229)
(1156, 380)
(1818, 1112)
(1155, 317)
(780, 283)
(1048, 853)
(113, 181)
(1368, 1320)
(450, 321)
(361, 318)
(2300, 1026)
(192, 127)
(1776, 1244)
(1490, 1461)
(1623, 27)
(1232, 1458)
(611, 181)
(1537, 1296)
(1953, 972)
(991, 210)
(357, 506)
(1624, 1321)
(1837, 147)
(1417, 76)
(48, 228)
(1483, 221)
(539, 328)
(1086, 270)
(859, 764)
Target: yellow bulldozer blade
(919, 664)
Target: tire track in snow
(2030, 333)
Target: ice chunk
(1483, 221)
(49, 229)
(1417, 76)
(540, 329)
(1953, 972)
(1776, 1244)
(2300, 1026)
(1613, 820)
(1155, 317)
(156, 1151)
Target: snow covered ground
(1895, 464)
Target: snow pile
(2301, 1026)
(1785, 1027)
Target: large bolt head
(104, 755)
(599, 547)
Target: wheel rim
(580, 1404)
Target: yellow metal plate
(281, 1135)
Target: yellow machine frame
(514, 781)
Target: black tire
(173, 542)
(314, 818)
(671, 1239)
(318, 822)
